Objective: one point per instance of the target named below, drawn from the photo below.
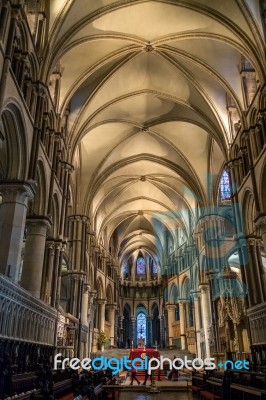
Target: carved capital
(17, 191)
(38, 225)
(260, 223)
(204, 288)
(170, 307)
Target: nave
(132, 183)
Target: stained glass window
(154, 268)
(141, 326)
(126, 268)
(225, 191)
(140, 266)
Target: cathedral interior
(132, 178)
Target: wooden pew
(98, 391)
(112, 391)
(246, 392)
(213, 389)
(198, 382)
(210, 392)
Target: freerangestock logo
(144, 364)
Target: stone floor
(160, 396)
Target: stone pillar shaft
(171, 319)
(182, 326)
(111, 314)
(85, 305)
(161, 319)
(47, 280)
(206, 314)
(197, 324)
(13, 210)
(56, 272)
(34, 254)
(149, 332)
(101, 314)
(133, 329)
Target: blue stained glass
(140, 266)
(225, 186)
(154, 268)
(126, 268)
(141, 326)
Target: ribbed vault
(146, 87)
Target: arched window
(225, 191)
(64, 265)
(154, 268)
(126, 269)
(140, 266)
(190, 314)
(141, 326)
(177, 315)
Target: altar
(142, 352)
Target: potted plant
(102, 340)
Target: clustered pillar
(13, 211)
(34, 254)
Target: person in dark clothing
(133, 376)
(147, 376)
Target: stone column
(133, 329)
(56, 271)
(121, 329)
(13, 211)
(182, 325)
(206, 314)
(197, 322)
(15, 13)
(111, 312)
(91, 310)
(161, 319)
(47, 281)
(254, 280)
(101, 303)
(171, 318)
(34, 254)
(261, 226)
(85, 304)
(149, 332)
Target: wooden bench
(213, 389)
(112, 391)
(245, 392)
(98, 390)
(205, 394)
(24, 382)
(63, 387)
(198, 382)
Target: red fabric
(136, 353)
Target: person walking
(133, 376)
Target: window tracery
(141, 326)
(225, 190)
(140, 266)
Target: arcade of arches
(133, 176)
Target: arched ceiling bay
(146, 85)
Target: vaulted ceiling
(146, 85)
